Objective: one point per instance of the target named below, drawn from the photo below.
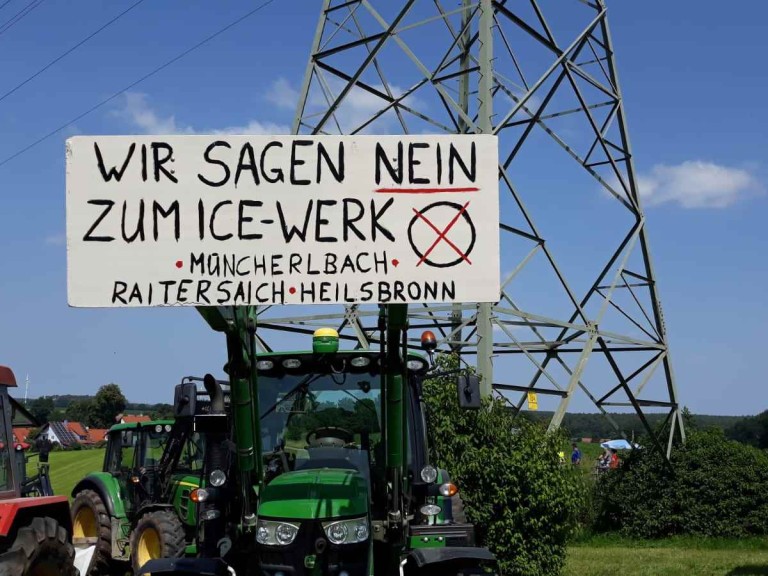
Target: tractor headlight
(428, 474)
(360, 361)
(286, 533)
(217, 478)
(430, 510)
(273, 533)
(347, 531)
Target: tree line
(595, 425)
(96, 411)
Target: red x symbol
(441, 235)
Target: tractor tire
(157, 534)
(90, 519)
(41, 548)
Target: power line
(68, 52)
(4, 4)
(16, 18)
(137, 82)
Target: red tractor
(35, 532)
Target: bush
(716, 487)
(521, 499)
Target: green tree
(162, 412)
(752, 430)
(80, 411)
(41, 408)
(108, 403)
(714, 487)
(522, 500)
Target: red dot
(292, 290)
(395, 262)
(179, 263)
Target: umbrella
(619, 444)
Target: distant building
(96, 435)
(67, 433)
(132, 418)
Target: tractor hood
(315, 494)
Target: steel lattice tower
(579, 309)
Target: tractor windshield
(320, 407)
(154, 439)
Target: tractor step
(81, 541)
(84, 555)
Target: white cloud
(137, 111)
(692, 184)
(356, 108)
(283, 95)
(254, 127)
(696, 184)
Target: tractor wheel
(41, 548)
(157, 534)
(90, 519)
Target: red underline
(423, 190)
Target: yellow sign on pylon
(533, 401)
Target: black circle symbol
(442, 235)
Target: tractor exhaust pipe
(216, 394)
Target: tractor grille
(311, 540)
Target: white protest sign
(250, 220)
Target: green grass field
(67, 468)
(670, 557)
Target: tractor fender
(106, 486)
(450, 557)
(17, 512)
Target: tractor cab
(9, 485)
(132, 456)
(13, 458)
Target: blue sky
(694, 88)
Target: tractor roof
(134, 425)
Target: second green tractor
(138, 507)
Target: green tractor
(320, 464)
(138, 507)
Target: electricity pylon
(579, 308)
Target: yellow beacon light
(325, 341)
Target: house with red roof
(96, 435)
(132, 418)
(67, 433)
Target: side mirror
(185, 400)
(469, 391)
